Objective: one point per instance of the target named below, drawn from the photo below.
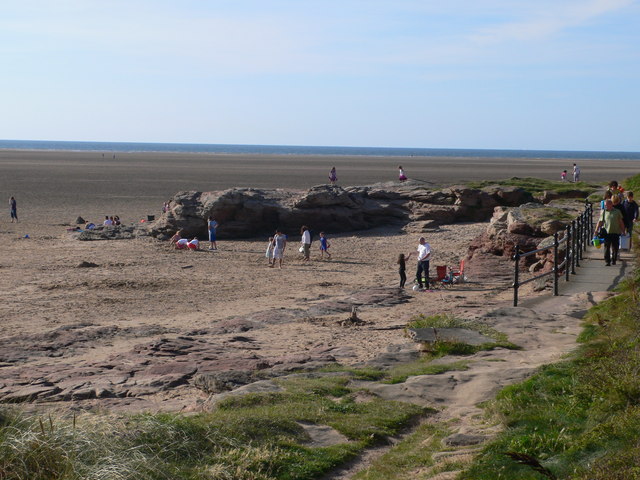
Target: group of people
(422, 271)
(576, 174)
(619, 212)
(277, 244)
(333, 176)
(111, 220)
(181, 243)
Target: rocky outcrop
(531, 226)
(247, 212)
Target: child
(402, 258)
(333, 177)
(324, 246)
(563, 176)
(194, 244)
(269, 252)
(212, 225)
(401, 176)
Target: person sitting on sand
(116, 220)
(179, 242)
(401, 176)
(194, 244)
(107, 221)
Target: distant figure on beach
(165, 207)
(576, 173)
(178, 241)
(305, 242)
(324, 246)
(402, 267)
(333, 177)
(13, 209)
(280, 243)
(116, 220)
(269, 252)
(107, 221)
(631, 215)
(611, 220)
(424, 254)
(401, 176)
(212, 225)
(194, 244)
(563, 176)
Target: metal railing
(577, 236)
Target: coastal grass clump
(249, 437)
(536, 186)
(442, 348)
(578, 419)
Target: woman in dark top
(402, 259)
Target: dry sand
(144, 282)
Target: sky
(505, 74)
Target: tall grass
(253, 437)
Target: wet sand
(57, 186)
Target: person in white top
(424, 254)
(107, 221)
(576, 173)
(194, 244)
(306, 242)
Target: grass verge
(578, 419)
(537, 186)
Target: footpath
(545, 327)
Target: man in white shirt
(576, 173)
(306, 242)
(424, 254)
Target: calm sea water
(308, 150)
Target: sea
(308, 150)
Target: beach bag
(301, 249)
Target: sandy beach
(146, 290)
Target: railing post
(516, 279)
(555, 264)
(580, 236)
(576, 243)
(567, 255)
(573, 247)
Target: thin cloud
(549, 20)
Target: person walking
(611, 220)
(324, 246)
(13, 208)
(306, 242)
(576, 173)
(630, 208)
(212, 225)
(424, 254)
(279, 245)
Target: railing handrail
(576, 236)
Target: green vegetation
(441, 348)
(578, 419)
(536, 186)
(251, 437)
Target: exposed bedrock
(247, 212)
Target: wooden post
(516, 279)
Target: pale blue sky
(523, 74)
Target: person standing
(324, 246)
(630, 208)
(306, 242)
(333, 177)
(424, 254)
(611, 220)
(13, 208)
(211, 227)
(576, 173)
(279, 245)
(402, 267)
